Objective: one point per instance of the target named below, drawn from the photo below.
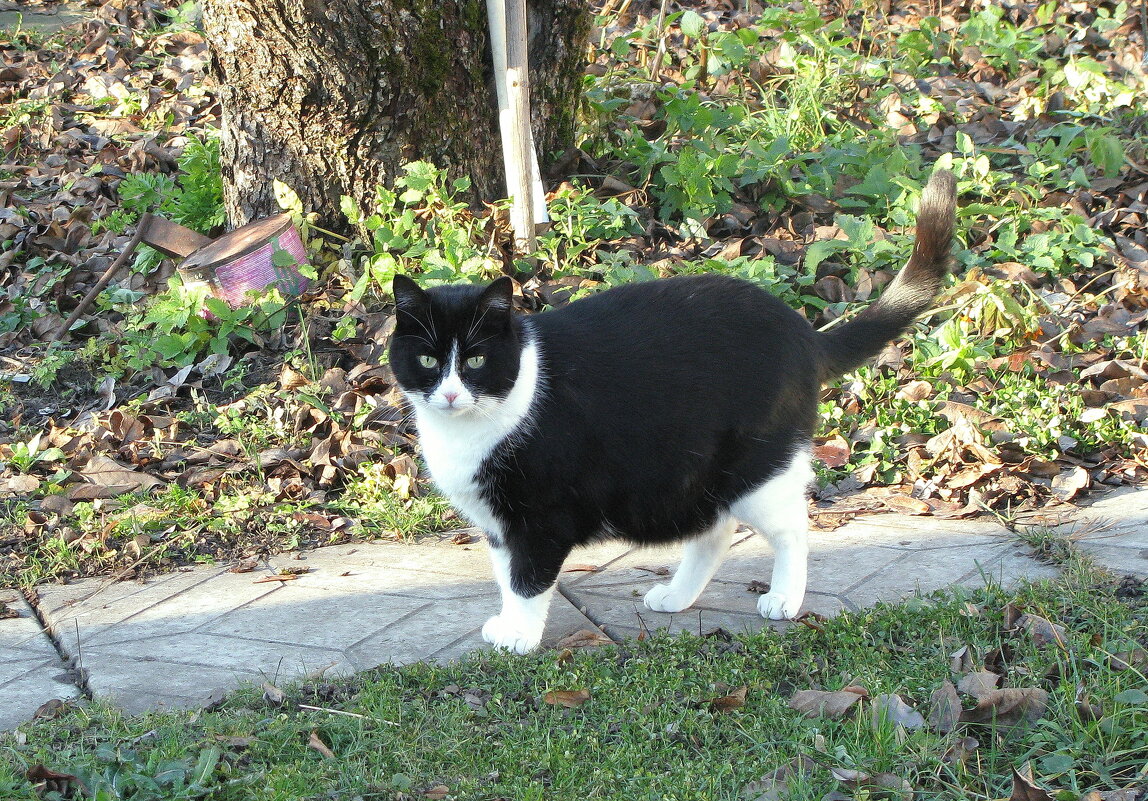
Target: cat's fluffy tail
(911, 292)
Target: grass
(482, 729)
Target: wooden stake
(105, 279)
(518, 104)
(496, 16)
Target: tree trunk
(330, 97)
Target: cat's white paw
(662, 598)
(512, 634)
(777, 606)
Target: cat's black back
(660, 404)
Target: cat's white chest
(456, 446)
(454, 455)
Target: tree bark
(331, 97)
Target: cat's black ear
(498, 297)
(409, 296)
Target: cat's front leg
(526, 591)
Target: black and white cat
(652, 412)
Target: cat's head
(455, 350)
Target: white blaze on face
(451, 395)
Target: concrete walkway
(183, 639)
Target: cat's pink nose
(450, 397)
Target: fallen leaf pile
(111, 99)
(106, 85)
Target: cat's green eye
(474, 362)
(428, 361)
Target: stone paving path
(181, 639)
(19, 16)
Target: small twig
(105, 279)
(338, 712)
(656, 64)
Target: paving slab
(872, 558)
(1114, 532)
(184, 638)
(31, 671)
(42, 20)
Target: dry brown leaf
(1125, 794)
(292, 379)
(959, 751)
(1125, 660)
(775, 785)
(402, 465)
(20, 485)
(56, 504)
(1008, 707)
(273, 694)
(317, 743)
(825, 704)
(915, 390)
(584, 638)
(106, 472)
(728, 703)
(944, 708)
(956, 411)
(893, 708)
(571, 699)
(1043, 631)
(1012, 613)
(276, 577)
(577, 568)
(963, 660)
(881, 782)
(1070, 482)
(50, 709)
(1086, 710)
(1025, 789)
(437, 793)
(834, 452)
(976, 684)
(906, 505)
(45, 780)
(313, 519)
(126, 427)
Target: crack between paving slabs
(74, 667)
(616, 633)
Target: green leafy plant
(193, 197)
(1002, 44)
(420, 225)
(25, 455)
(185, 323)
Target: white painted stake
(523, 178)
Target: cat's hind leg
(700, 559)
(779, 511)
